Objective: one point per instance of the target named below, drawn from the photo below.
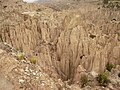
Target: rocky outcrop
(22, 75)
(63, 40)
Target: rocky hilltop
(51, 46)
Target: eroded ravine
(63, 40)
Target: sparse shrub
(109, 66)
(20, 56)
(103, 79)
(32, 60)
(84, 80)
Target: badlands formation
(59, 45)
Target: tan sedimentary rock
(63, 39)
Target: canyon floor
(59, 45)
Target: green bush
(20, 56)
(109, 66)
(103, 79)
(84, 80)
(32, 60)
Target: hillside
(50, 46)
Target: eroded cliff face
(62, 40)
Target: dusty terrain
(66, 39)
